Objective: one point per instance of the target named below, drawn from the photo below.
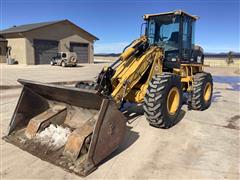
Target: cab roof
(177, 12)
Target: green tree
(230, 58)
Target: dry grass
(214, 62)
(217, 62)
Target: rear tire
(163, 100)
(202, 91)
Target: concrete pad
(203, 145)
(47, 73)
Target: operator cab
(174, 32)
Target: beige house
(37, 43)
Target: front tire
(163, 100)
(202, 91)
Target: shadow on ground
(180, 117)
(102, 62)
(77, 66)
(233, 122)
(216, 96)
(132, 112)
(130, 138)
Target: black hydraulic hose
(115, 62)
(128, 46)
(118, 60)
(138, 45)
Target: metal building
(37, 43)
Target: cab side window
(186, 38)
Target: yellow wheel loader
(77, 127)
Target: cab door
(186, 38)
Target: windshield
(58, 55)
(164, 31)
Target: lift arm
(120, 78)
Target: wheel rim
(207, 91)
(173, 101)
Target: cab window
(64, 55)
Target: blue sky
(117, 23)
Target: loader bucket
(70, 127)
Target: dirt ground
(203, 145)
